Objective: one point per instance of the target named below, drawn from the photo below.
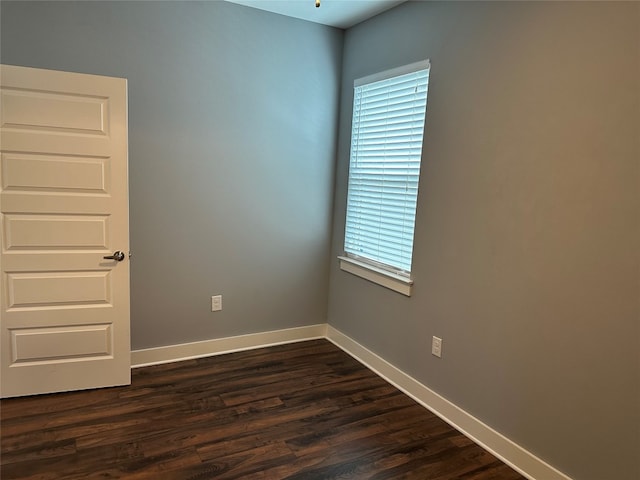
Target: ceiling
(335, 13)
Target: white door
(63, 208)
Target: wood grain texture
(298, 411)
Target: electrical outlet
(216, 303)
(436, 347)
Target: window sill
(381, 277)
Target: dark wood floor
(298, 411)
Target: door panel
(25, 232)
(54, 111)
(54, 173)
(31, 345)
(58, 289)
(63, 207)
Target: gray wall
(526, 258)
(527, 238)
(232, 140)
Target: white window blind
(386, 148)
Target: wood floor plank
(298, 411)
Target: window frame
(387, 276)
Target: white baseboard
(217, 346)
(509, 452)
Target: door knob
(118, 256)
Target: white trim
(218, 346)
(383, 278)
(393, 72)
(506, 450)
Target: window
(386, 148)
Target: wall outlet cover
(216, 303)
(436, 346)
